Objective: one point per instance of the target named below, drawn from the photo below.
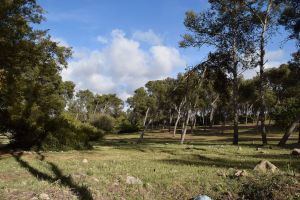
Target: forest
(208, 132)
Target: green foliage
(266, 187)
(104, 122)
(123, 125)
(68, 133)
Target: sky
(119, 45)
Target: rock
(258, 148)
(241, 173)
(239, 148)
(295, 152)
(44, 196)
(266, 166)
(133, 180)
(202, 197)
(85, 161)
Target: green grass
(206, 165)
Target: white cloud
(102, 39)
(149, 37)
(122, 65)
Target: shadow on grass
(283, 162)
(82, 192)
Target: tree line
(40, 110)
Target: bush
(67, 133)
(267, 187)
(104, 122)
(124, 126)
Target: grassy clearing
(205, 165)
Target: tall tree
(225, 27)
(265, 17)
(30, 64)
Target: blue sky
(119, 45)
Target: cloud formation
(122, 65)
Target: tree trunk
(170, 120)
(235, 104)
(178, 116)
(175, 126)
(262, 91)
(213, 108)
(289, 130)
(185, 126)
(144, 126)
(235, 86)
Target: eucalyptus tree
(285, 84)
(265, 21)
(143, 106)
(226, 28)
(83, 104)
(107, 104)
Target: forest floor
(205, 164)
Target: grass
(204, 165)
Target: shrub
(124, 126)
(267, 187)
(66, 133)
(104, 122)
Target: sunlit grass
(205, 165)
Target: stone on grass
(133, 180)
(296, 152)
(258, 148)
(85, 161)
(241, 173)
(266, 166)
(202, 197)
(239, 148)
(44, 196)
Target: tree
(30, 65)
(285, 83)
(144, 107)
(265, 17)
(225, 27)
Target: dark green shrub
(66, 133)
(124, 126)
(104, 122)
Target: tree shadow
(82, 192)
(281, 161)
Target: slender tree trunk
(213, 108)
(170, 120)
(178, 115)
(144, 126)
(176, 123)
(235, 100)
(262, 91)
(195, 122)
(185, 126)
(264, 26)
(289, 130)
